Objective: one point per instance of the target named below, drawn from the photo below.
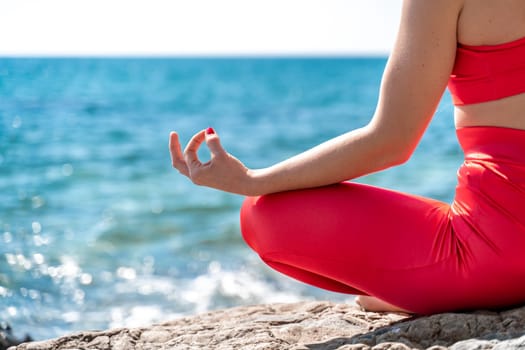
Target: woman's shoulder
(491, 22)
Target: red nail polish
(210, 131)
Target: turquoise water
(97, 230)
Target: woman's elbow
(393, 157)
(408, 143)
(392, 151)
(402, 155)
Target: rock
(309, 326)
(7, 339)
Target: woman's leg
(377, 305)
(350, 238)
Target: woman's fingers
(188, 162)
(222, 171)
(177, 158)
(214, 143)
(176, 154)
(190, 152)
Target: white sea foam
(221, 288)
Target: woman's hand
(223, 171)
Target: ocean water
(97, 230)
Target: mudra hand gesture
(223, 171)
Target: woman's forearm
(356, 153)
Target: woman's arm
(413, 83)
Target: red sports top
(487, 72)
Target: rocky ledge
(309, 326)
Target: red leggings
(417, 253)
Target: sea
(97, 230)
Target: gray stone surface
(309, 326)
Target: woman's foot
(377, 305)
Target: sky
(197, 27)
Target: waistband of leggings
(492, 142)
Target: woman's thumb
(213, 142)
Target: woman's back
(492, 22)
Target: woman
(402, 252)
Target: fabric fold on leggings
(417, 253)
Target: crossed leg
(355, 239)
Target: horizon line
(198, 55)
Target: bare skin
(414, 80)
(373, 304)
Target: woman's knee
(248, 222)
(259, 223)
